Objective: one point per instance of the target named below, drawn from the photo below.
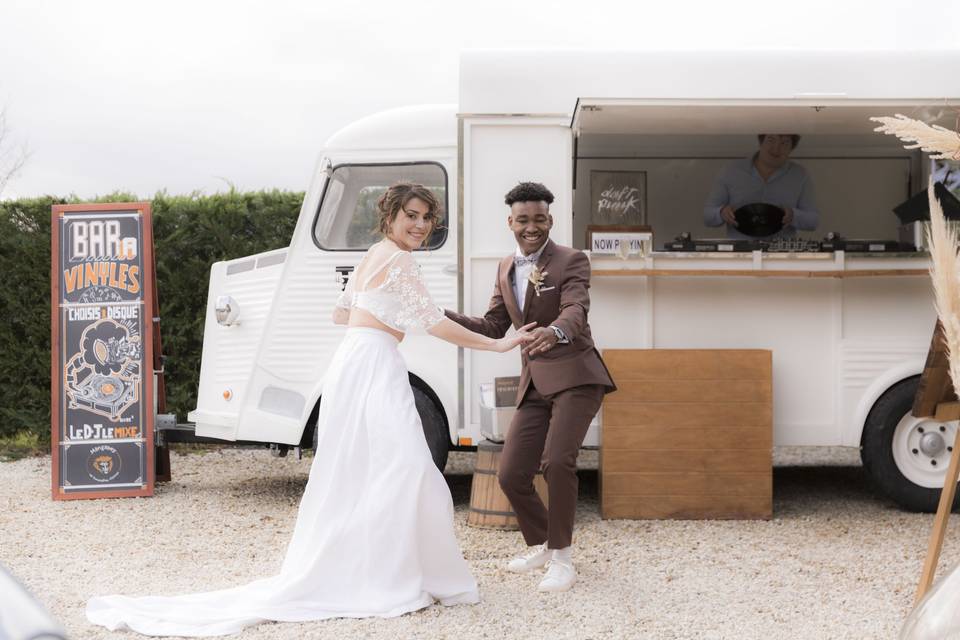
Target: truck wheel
(906, 457)
(434, 428)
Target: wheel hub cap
(932, 444)
(922, 448)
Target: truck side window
(347, 220)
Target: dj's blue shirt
(740, 183)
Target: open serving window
(650, 162)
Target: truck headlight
(227, 310)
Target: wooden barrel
(489, 507)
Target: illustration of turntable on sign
(105, 376)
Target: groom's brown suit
(560, 390)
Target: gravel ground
(835, 562)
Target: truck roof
(550, 83)
(415, 127)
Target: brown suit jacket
(565, 305)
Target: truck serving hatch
(805, 115)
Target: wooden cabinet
(688, 434)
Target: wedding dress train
(374, 533)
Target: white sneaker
(534, 558)
(560, 577)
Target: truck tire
(434, 428)
(906, 457)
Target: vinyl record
(759, 219)
(917, 207)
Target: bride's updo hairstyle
(394, 199)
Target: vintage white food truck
(849, 325)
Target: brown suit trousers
(546, 433)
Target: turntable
(784, 244)
(684, 242)
(836, 242)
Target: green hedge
(190, 233)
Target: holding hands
(544, 339)
(524, 335)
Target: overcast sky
(194, 96)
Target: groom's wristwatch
(561, 336)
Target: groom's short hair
(528, 192)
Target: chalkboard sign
(102, 363)
(618, 197)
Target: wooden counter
(688, 434)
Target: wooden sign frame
(148, 341)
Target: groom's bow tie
(520, 261)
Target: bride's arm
(418, 311)
(450, 331)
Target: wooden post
(161, 452)
(939, 525)
(935, 397)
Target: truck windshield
(347, 220)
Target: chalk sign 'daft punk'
(618, 197)
(102, 303)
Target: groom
(562, 380)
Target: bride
(374, 534)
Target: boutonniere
(537, 279)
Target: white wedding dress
(374, 534)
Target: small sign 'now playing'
(624, 243)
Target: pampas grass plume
(942, 143)
(944, 243)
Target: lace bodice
(401, 301)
